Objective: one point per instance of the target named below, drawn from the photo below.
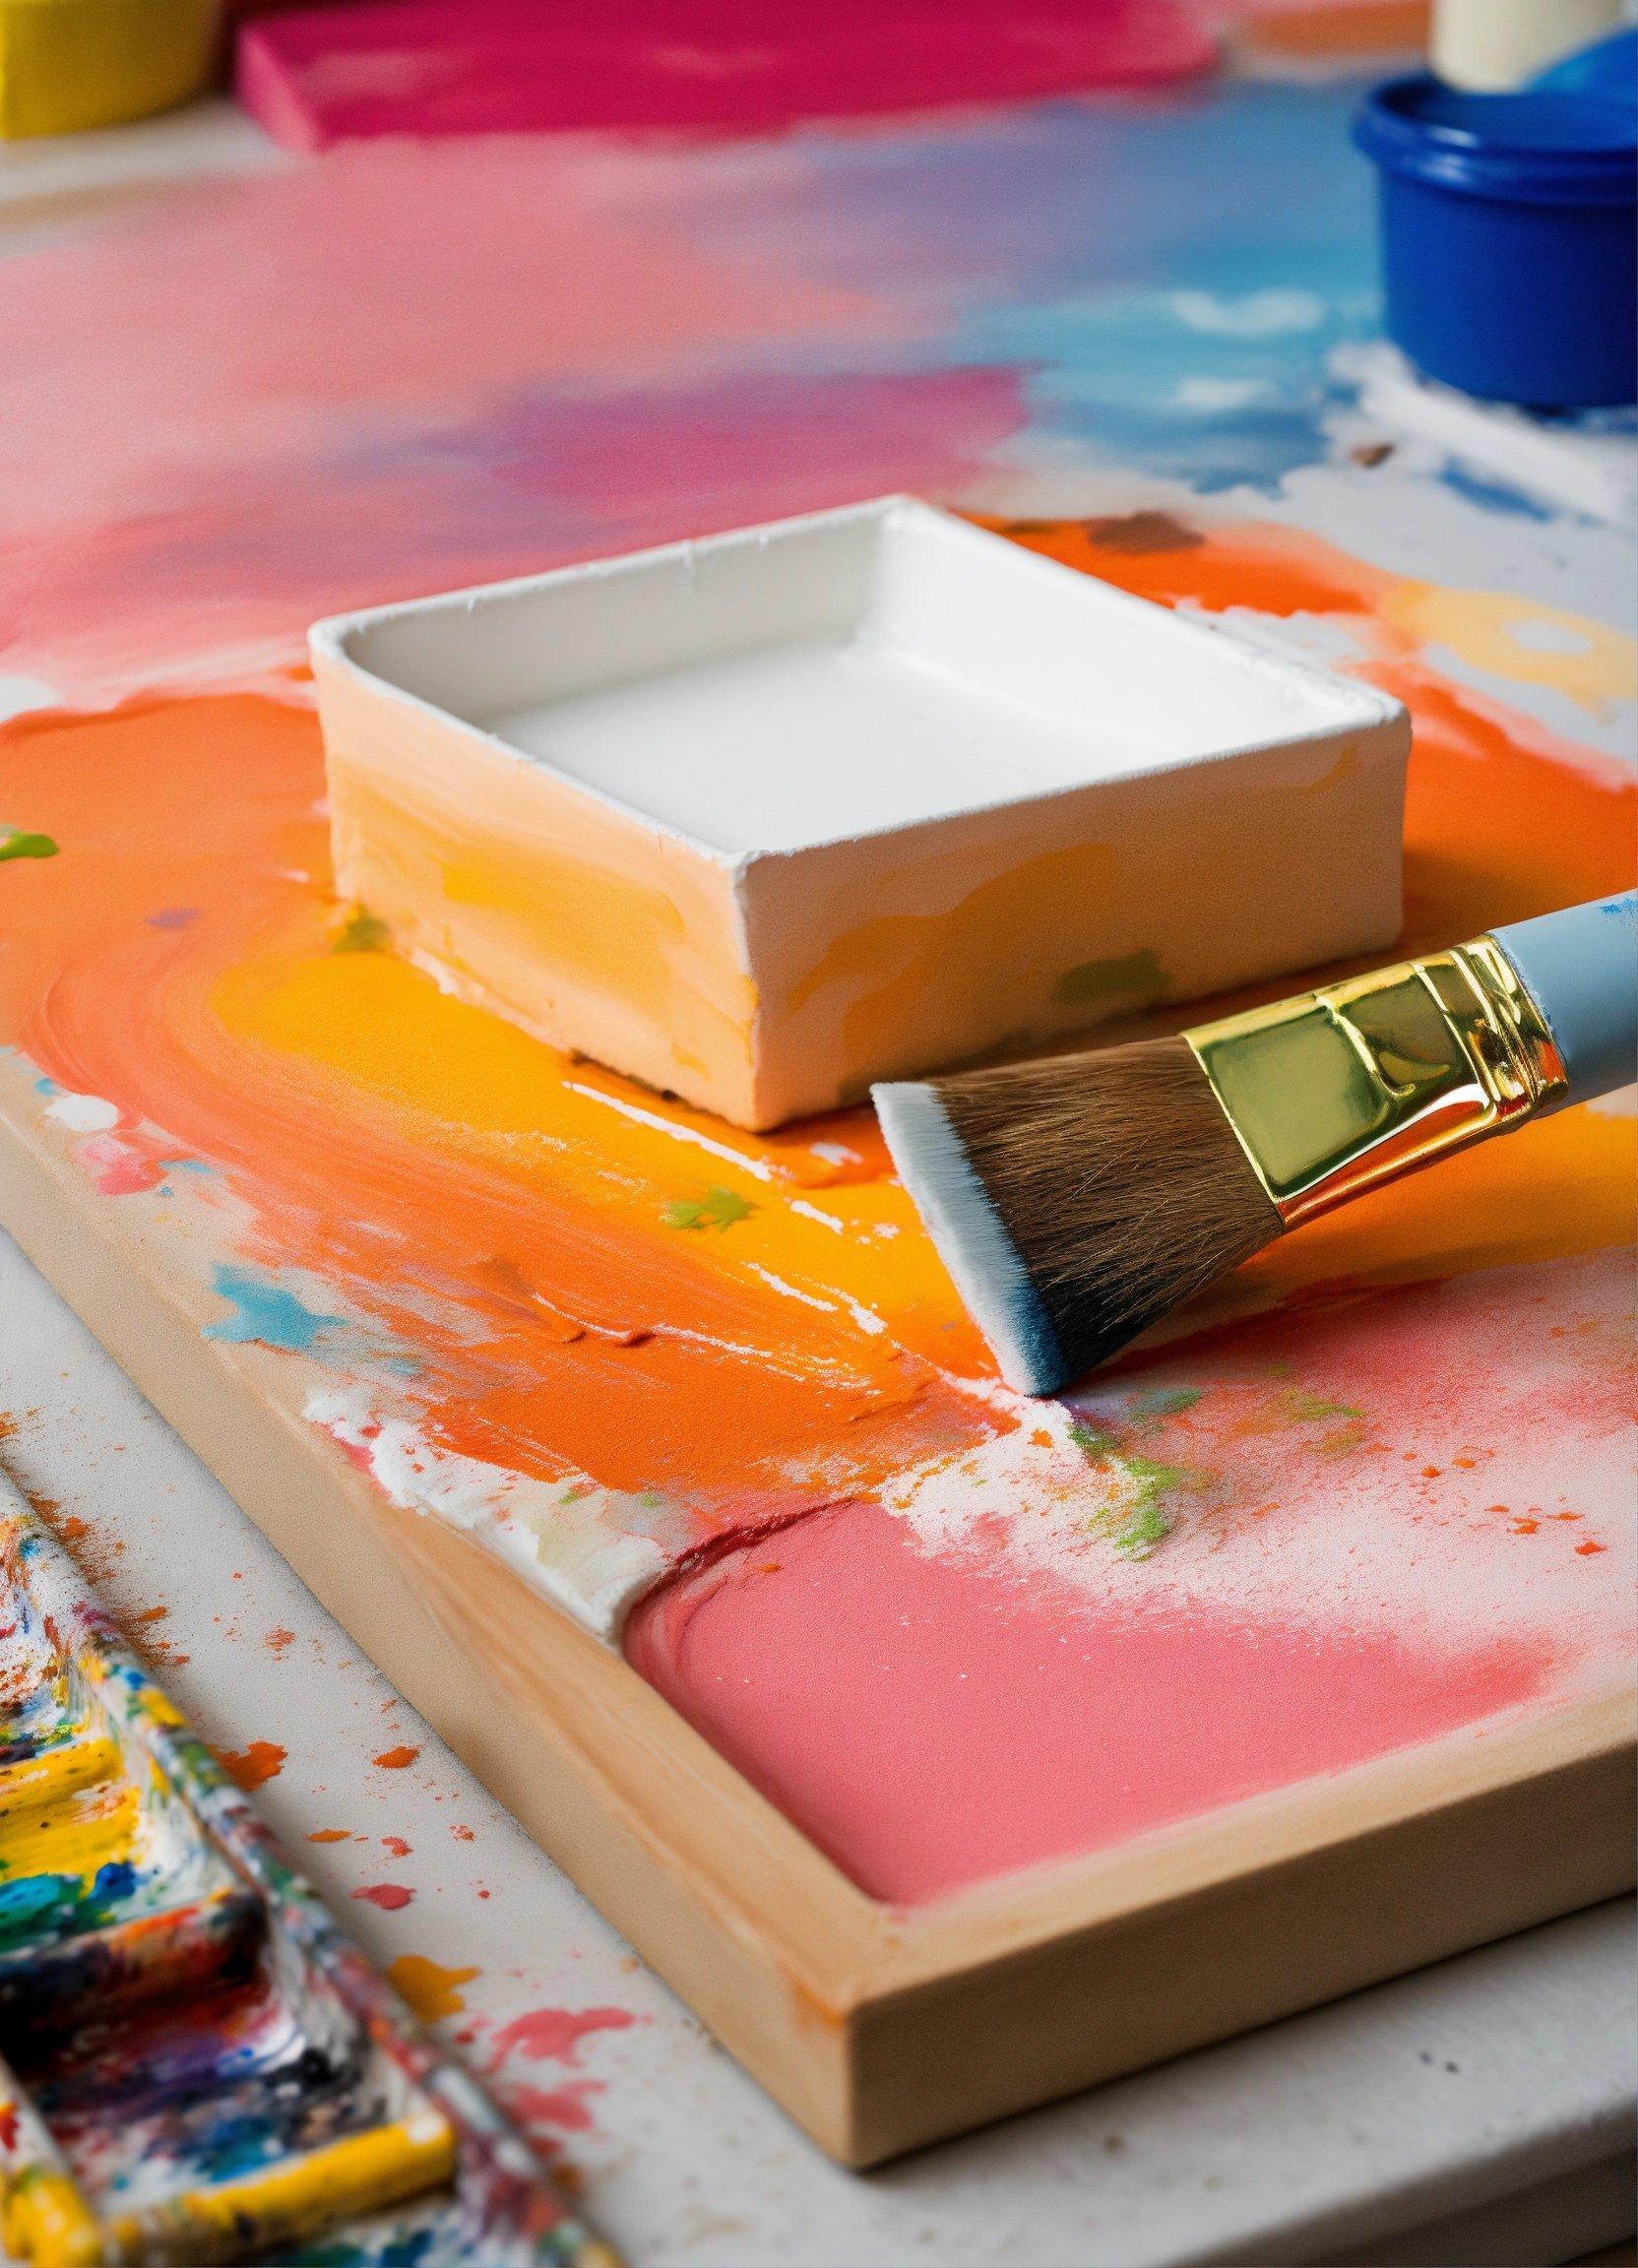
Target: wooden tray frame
(876, 2030)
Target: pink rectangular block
(314, 76)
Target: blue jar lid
(1609, 70)
(1533, 147)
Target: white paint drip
(592, 1550)
(757, 1167)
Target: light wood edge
(876, 2030)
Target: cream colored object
(761, 819)
(1491, 45)
(70, 64)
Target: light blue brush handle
(1581, 969)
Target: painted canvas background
(1375, 1489)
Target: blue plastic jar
(1509, 234)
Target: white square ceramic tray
(767, 816)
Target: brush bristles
(1119, 1182)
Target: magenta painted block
(316, 75)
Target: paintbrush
(1078, 1199)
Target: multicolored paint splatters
(200, 2064)
(646, 1358)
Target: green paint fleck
(1094, 1445)
(1146, 1528)
(18, 845)
(572, 1496)
(1135, 978)
(1152, 1478)
(1143, 1524)
(1309, 1409)
(716, 1208)
(366, 932)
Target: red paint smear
(929, 1725)
(390, 1897)
(554, 2031)
(116, 1167)
(563, 2106)
(396, 1846)
(250, 1767)
(432, 67)
(394, 1760)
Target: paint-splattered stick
(446, 2128)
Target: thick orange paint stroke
(511, 1237)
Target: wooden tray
(876, 2030)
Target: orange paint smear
(516, 1246)
(251, 1768)
(432, 1991)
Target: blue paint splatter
(1492, 496)
(173, 917)
(266, 1314)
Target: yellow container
(68, 64)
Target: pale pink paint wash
(405, 367)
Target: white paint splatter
(84, 1114)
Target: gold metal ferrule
(1358, 1083)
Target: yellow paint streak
(47, 2223)
(577, 919)
(475, 1085)
(88, 1831)
(33, 1782)
(905, 967)
(295, 2202)
(1521, 640)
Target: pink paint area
(317, 76)
(561, 2108)
(930, 1724)
(552, 357)
(554, 2033)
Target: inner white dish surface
(811, 741)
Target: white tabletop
(1481, 2112)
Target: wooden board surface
(861, 2019)
(979, 1749)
